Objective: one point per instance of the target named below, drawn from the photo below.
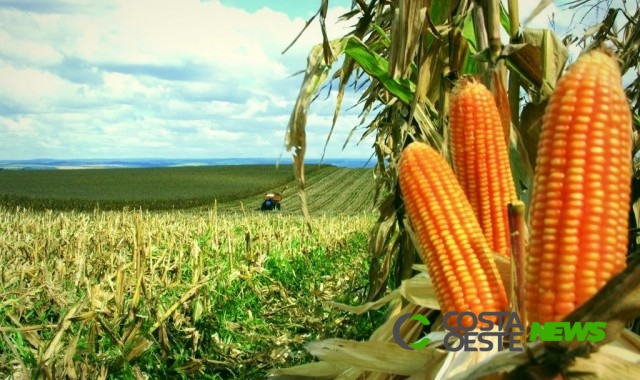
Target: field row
(329, 191)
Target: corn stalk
(403, 57)
(409, 54)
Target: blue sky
(159, 78)
(163, 78)
(293, 8)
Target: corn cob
(580, 204)
(481, 160)
(453, 247)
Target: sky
(165, 78)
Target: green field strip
(358, 195)
(253, 202)
(329, 191)
(339, 193)
(316, 194)
(150, 188)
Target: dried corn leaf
(504, 268)
(420, 268)
(380, 235)
(518, 239)
(428, 372)
(457, 362)
(429, 74)
(190, 367)
(29, 332)
(604, 366)
(609, 363)
(539, 60)
(498, 367)
(628, 340)
(529, 131)
(358, 374)
(344, 74)
(406, 29)
(69, 366)
(55, 344)
(385, 357)
(374, 305)
(316, 73)
(317, 370)
(427, 127)
(407, 256)
(136, 349)
(631, 356)
(419, 290)
(349, 66)
(499, 92)
(185, 297)
(409, 331)
(537, 10)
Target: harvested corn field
(475, 282)
(173, 294)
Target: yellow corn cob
(454, 249)
(481, 159)
(580, 204)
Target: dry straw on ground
(92, 295)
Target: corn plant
(409, 59)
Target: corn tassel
(581, 192)
(481, 160)
(454, 249)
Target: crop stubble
(168, 293)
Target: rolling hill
(241, 188)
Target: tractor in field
(271, 202)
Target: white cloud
(19, 127)
(120, 78)
(149, 78)
(220, 134)
(29, 52)
(30, 86)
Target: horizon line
(181, 158)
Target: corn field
(176, 294)
(137, 294)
